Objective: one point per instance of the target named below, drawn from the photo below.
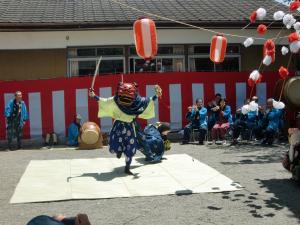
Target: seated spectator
(240, 123)
(73, 131)
(248, 122)
(80, 219)
(197, 120)
(269, 124)
(211, 110)
(223, 121)
(51, 139)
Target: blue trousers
(123, 140)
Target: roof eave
(125, 25)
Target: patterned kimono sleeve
(106, 107)
(149, 111)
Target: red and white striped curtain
(53, 103)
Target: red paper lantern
(253, 16)
(145, 38)
(218, 48)
(261, 29)
(283, 72)
(294, 6)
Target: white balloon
(297, 26)
(278, 15)
(267, 60)
(253, 106)
(245, 109)
(288, 20)
(295, 46)
(284, 50)
(254, 75)
(248, 42)
(261, 13)
(278, 105)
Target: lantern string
(191, 25)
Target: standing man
(15, 116)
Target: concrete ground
(269, 197)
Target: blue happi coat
(73, 133)
(271, 120)
(198, 117)
(9, 110)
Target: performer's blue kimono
(123, 138)
(151, 143)
(73, 133)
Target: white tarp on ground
(53, 180)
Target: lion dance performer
(124, 108)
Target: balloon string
(290, 59)
(252, 88)
(187, 24)
(271, 24)
(281, 92)
(245, 27)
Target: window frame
(155, 58)
(74, 59)
(205, 55)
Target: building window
(168, 59)
(199, 60)
(83, 61)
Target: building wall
(64, 39)
(251, 58)
(32, 64)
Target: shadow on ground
(250, 154)
(286, 195)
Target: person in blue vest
(196, 116)
(269, 124)
(74, 130)
(16, 116)
(153, 141)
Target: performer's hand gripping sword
(95, 74)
